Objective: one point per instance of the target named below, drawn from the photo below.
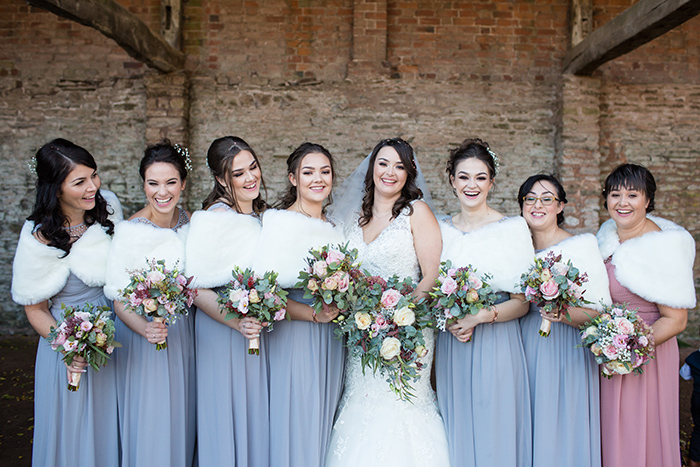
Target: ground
(17, 391)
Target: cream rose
(313, 285)
(253, 296)
(404, 316)
(235, 295)
(319, 269)
(363, 320)
(150, 305)
(391, 347)
(421, 351)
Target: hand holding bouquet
(86, 332)
(386, 331)
(330, 278)
(250, 295)
(620, 340)
(554, 286)
(459, 291)
(161, 293)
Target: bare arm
(578, 315)
(507, 311)
(152, 331)
(671, 323)
(42, 321)
(427, 241)
(300, 312)
(206, 302)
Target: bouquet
(251, 295)
(161, 293)
(330, 277)
(620, 340)
(86, 332)
(459, 291)
(554, 286)
(386, 331)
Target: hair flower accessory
(31, 164)
(185, 154)
(496, 161)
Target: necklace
(76, 231)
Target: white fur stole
(218, 241)
(582, 251)
(40, 271)
(133, 244)
(285, 241)
(658, 266)
(502, 249)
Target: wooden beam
(125, 28)
(639, 24)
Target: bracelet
(313, 316)
(495, 313)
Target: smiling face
(163, 187)
(313, 179)
(389, 172)
(472, 182)
(245, 179)
(627, 207)
(78, 192)
(539, 216)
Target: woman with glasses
(563, 376)
(480, 369)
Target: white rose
(235, 295)
(404, 316)
(363, 320)
(391, 347)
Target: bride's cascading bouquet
(554, 286)
(458, 292)
(331, 277)
(620, 340)
(161, 293)
(386, 331)
(251, 295)
(86, 332)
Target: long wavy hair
(410, 190)
(220, 158)
(294, 160)
(54, 161)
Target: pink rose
(381, 322)
(620, 341)
(560, 269)
(86, 326)
(595, 348)
(280, 315)
(575, 289)
(169, 307)
(162, 299)
(319, 269)
(343, 282)
(475, 282)
(610, 351)
(390, 298)
(79, 334)
(182, 280)
(134, 300)
(155, 277)
(617, 311)
(530, 292)
(624, 325)
(60, 340)
(334, 256)
(83, 315)
(550, 290)
(643, 341)
(110, 349)
(451, 272)
(449, 286)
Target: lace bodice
(182, 219)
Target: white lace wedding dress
(373, 427)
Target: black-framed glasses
(546, 200)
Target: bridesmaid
(156, 387)
(563, 375)
(232, 387)
(306, 360)
(480, 367)
(650, 267)
(61, 258)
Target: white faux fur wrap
(658, 266)
(582, 251)
(218, 241)
(285, 241)
(135, 243)
(39, 271)
(502, 249)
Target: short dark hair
(632, 177)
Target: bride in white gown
(394, 233)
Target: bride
(394, 233)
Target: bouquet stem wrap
(74, 381)
(254, 346)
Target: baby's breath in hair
(496, 161)
(31, 164)
(185, 154)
